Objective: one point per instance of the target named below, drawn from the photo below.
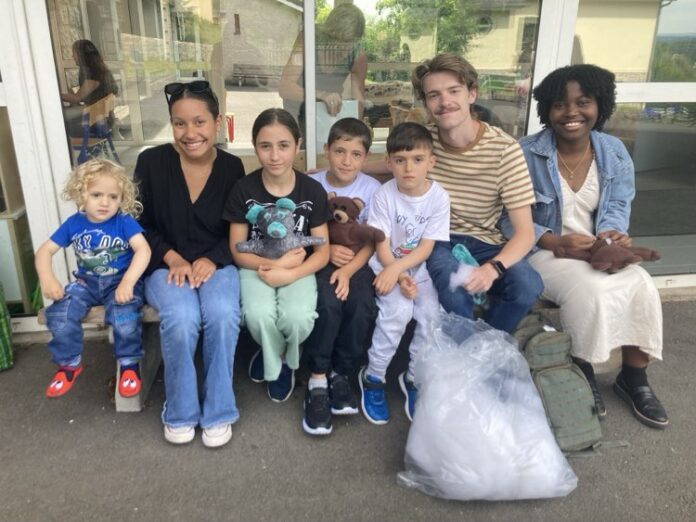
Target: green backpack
(562, 386)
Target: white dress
(601, 311)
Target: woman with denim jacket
(584, 184)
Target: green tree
(452, 20)
(321, 11)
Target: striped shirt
(488, 174)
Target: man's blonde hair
(446, 62)
(84, 175)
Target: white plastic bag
(479, 430)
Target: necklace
(571, 172)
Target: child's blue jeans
(63, 319)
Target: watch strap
(498, 265)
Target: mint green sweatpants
(279, 319)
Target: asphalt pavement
(75, 458)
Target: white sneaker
(217, 436)
(179, 434)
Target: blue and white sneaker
(256, 367)
(410, 394)
(281, 389)
(373, 398)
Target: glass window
(254, 58)
(660, 139)
(366, 50)
(18, 277)
(654, 43)
(113, 60)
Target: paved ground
(76, 459)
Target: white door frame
(31, 94)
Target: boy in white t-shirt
(345, 298)
(413, 212)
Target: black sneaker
(317, 412)
(281, 389)
(343, 402)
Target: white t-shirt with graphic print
(408, 219)
(363, 187)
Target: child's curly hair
(82, 176)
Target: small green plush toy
(462, 254)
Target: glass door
(652, 53)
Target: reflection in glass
(18, 279)
(498, 38)
(147, 44)
(660, 139)
(656, 43)
(341, 66)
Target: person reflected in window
(584, 181)
(95, 81)
(338, 56)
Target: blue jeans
(63, 319)
(510, 297)
(185, 313)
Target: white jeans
(395, 312)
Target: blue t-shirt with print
(101, 248)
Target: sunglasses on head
(176, 89)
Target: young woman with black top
(191, 280)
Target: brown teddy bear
(344, 228)
(607, 256)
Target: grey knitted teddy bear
(277, 224)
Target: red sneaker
(129, 384)
(62, 381)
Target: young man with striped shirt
(484, 171)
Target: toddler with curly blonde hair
(112, 255)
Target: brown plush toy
(344, 229)
(607, 256)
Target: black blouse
(171, 221)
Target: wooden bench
(148, 365)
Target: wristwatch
(499, 267)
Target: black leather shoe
(645, 404)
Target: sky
(366, 6)
(677, 18)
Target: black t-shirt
(171, 221)
(311, 205)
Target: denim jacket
(616, 184)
